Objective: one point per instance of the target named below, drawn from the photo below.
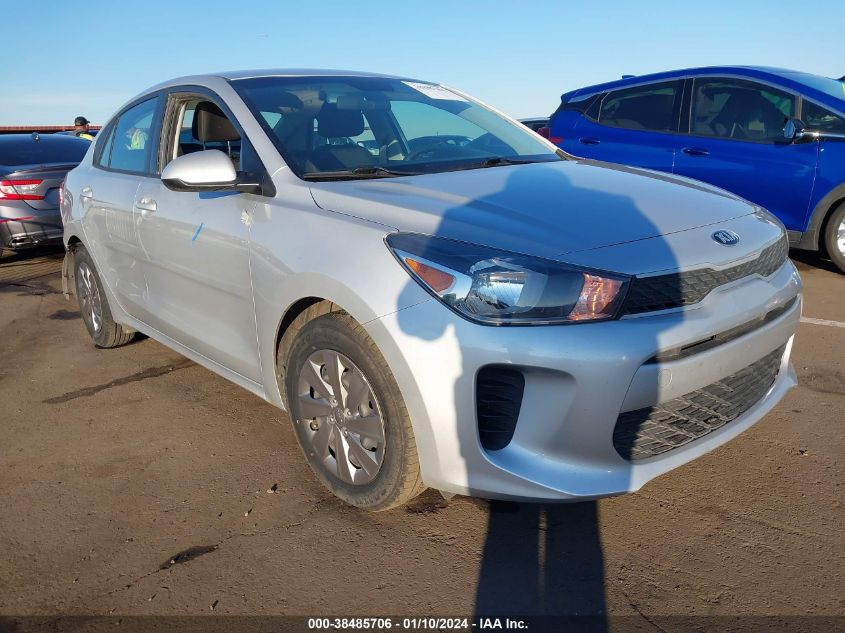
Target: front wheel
(93, 305)
(834, 237)
(349, 416)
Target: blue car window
(740, 110)
(641, 108)
(816, 117)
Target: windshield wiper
(495, 161)
(358, 172)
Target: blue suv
(775, 137)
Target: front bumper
(578, 380)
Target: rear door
(631, 126)
(735, 141)
(195, 246)
(122, 161)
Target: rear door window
(739, 110)
(132, 142)
(648, 107)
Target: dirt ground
(135, 482)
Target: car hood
(543, 209)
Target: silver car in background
(484, 316)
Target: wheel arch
(295, 316)
(68, 266)
(813, 238)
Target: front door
(736, 143)
(195, 252)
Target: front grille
(498, 398)
(654, 430)
(662, 292)
(721, 338)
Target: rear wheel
(94, 306)
(348, 414)
(834, 237)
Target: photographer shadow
(543, 559)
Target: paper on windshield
(433, 91)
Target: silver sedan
(437, 295)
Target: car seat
(334, 123)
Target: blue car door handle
(589, 140)
(695, 151)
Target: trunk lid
(51, 177)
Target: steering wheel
(430, 151)
(490, 143)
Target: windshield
(359, 127)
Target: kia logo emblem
(725, 238)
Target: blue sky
(518, 56)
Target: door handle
(589, 140)
(146, 205)
(86, 192)
(695, 151)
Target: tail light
(546, 132)
(61, 193)
(20, 190)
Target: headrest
(210, 124)
(333, 122)
(287, 102)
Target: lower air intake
(663, 427)
(498, 398)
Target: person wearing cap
(81, 125)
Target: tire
(94, 306)
(368, 426)
(834, 237)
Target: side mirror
(209, 170)
(793, 131)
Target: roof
(42, 138)
(234, 75)
(794, 80)
(298, 72)
(42, 129)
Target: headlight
(500, 288)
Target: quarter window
(131, 142)
(740, 110)
(641, 108)
(816, 117)
(105, 154)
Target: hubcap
(340, 417)
(90, 304)
(840, 237)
